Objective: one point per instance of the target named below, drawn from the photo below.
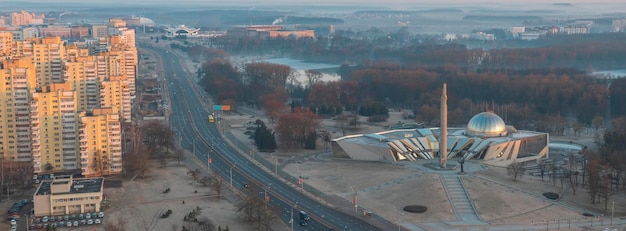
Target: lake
(300, 67)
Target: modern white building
(182, 30)
(486, 138)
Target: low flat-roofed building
(66, 195)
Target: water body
(300, 67)
(614, 74)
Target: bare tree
(543, 167)
(516, 169)
(218, 184)
(312, 76)
(342, 121)
(194, 173)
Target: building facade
(65, 195)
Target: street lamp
(231, 174)
(291, 219)
(27, 217)
(266, 197)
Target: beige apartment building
(25, 18)
(81, 73)
(115, 93)
(6, 43)
(101, 142)
(19, 78)
(54, 128)
(66, 195)
(48, 55)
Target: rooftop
(79, 185)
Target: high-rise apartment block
(100, 142)
(61, 105)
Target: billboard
(221, 107)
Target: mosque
(486, 137)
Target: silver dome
(486, 124)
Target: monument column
(443, 139)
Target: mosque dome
(486, 124)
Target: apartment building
(115, 93)
(54, 128)
(100, 142)
(81, 73)
(67, 195)
(19, 78)
(25, 18)
(6, 43)
(99, 31)
(48, 55)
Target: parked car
(76, 223)
(81, 216)
(44, 219)
(97, 221)
(90, 222)
(88, 215)
(68, 224)
(100, 214)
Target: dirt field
(141, 202)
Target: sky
(298, 2)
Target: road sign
(221, 107)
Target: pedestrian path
(459, 199)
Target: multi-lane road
(189, 119)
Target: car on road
(13, 222)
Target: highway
(189, 119)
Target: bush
(415, 208)
(166, 214)
(551, 195)
(166, 190)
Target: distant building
(55, 31)
(99, 31)
(182, 31)
(483, 36)
(24, 18)
(78, 32)
(619, 25)
(66, 195)
(268, 31)
(518, 29)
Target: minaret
(443, 139)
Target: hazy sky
(297, 2)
